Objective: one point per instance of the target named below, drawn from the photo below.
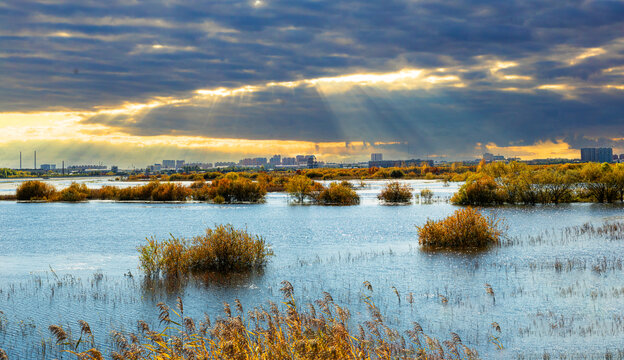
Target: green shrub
(395, 192)
(464, 229)
(224, 249)
(35, 190)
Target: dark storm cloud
(80, 54)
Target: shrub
(74, 193)
(395, 192)
(300, 188)
(478, 190)
(338, 194)
(170, 192)
(35, 190)
(224, 249)
(466, 228)
(235, 189)
(104, 193)
(290, 331)
(426, 195)
(396, 174)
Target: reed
(396, 193)
(426, 195)
(321, 331)
(222, 249)
(464, 229)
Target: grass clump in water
(464, 229)
(338, 194)
(222, 249)
(396, 193)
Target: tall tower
(35, 168)
(20, 160)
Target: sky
(131, 83)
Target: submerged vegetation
(222, 249)
(464, 229)
(321, 332)
(228, 190)
(396, 193)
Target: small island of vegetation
(464, 229)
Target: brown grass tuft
(466, 228)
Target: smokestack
(20, 160)
(35, 160)
(63, 167)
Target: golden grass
(222, 249)
(322, 331)
(395, 192)
(464, 229)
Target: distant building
(225, 164)
(194, 166)
(275, 160)
(597, 155)
(156, 167)
(85, 168)
(253, 162)
(179, 164)
(48, 167)
(168, 164)
(399, 163)
(312, 164)
(488, 157)
(115, 168)
(376, 157)
(289, 161)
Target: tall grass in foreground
(320, 332)
(396, 193)
(464, 229)
(222, 249)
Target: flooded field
(557, 285)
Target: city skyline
(131, 82)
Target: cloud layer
(441, 76)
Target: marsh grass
(464, 229)
(222, 249)
(321, 331)
(396, 193)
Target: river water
(62, 262)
